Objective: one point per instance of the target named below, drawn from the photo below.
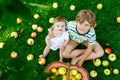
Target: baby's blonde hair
(59, 19)
(86, 15)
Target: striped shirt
(90, 36)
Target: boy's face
(83, 27)
(59, 27)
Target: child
(81, 31)
(57, 37)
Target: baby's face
(59, 27)
(83, 27)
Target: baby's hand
(80, 63)
(41, 56)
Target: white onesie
(57, 42)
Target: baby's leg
(69, 48)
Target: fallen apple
(14, 34)
(34, 26)
(36, 16)
(19, 20)
(108, 50)
(112, 57)
(62, 70)
(97, 62)
(40, 29)
(2, 44)
(30, 41)
(99, 6)
(55, 5)
(118, 19)
(33, 34)
(41, 61)
(30, 57)
(93, 73)
(107, 72)
(116, 71)
(51, 20)
(13, 54)
(72, 7)
(105, 63)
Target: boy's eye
(62, 25)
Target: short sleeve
(66, 35)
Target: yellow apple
(78, 76)
(72, 7)
(40, 29)
(51, 20)
(55, 5)
(19, 20)
(112, 57)
(34, 26)
(14, 34)
(41, 61)
(33, 34)
(73, 72)
(93, 73)
(36, 16)
(62, 70)
(30, 41)
(13, 54)
(64, 77)
(99, 6)
(116, 71)
(105, 63)
(107, 72)
(30, 57)
(2, 44)
(97, 62)
(118, 19)
(54, 70)
(0, 27)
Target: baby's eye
(58, 26)
(62, 25)
(86, 24)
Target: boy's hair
(59, 19)
(86, 15)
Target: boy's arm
(86, 54)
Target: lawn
(107, 31)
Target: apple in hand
(112, 57)
(108, 50)
(97, 62)
(105, 63)
(62, 70)
(107, 72)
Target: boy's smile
(83, 27)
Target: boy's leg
(69, 48)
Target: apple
(105, 63)
(108, 50)
(55, 5)
(30, 57)
(40, 29)
(78, 76)
(0, 27)
(13, 54)
(116, 71)
(30, 41)
(51, 20)
(107, 72)
(73, 72)
(33, 34)
(118, 19)
(97, 62)
(93, 73)
(19, 20)
(2, 44)
(14, 34)
(72, 7)
(34, 26)
(62, 70)
(36, 16)
(64, 77)
(112, 57)
(54, 70)
(99, 6)
(41, 61)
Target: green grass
(107, 30)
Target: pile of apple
(67, 71)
